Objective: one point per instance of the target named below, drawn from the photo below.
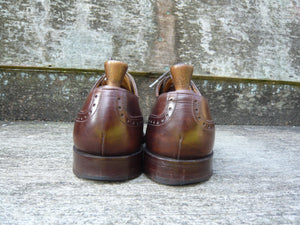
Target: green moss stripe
(153, 75)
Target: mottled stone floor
(256, 181)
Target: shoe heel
(177, 172)
(114, 168)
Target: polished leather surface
(110, 122)
(180, 125)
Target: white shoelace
(160, 78)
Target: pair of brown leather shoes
(108, 132)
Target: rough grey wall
(235, 38)
(29, 94)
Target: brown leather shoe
(180, 133)
(108, 131)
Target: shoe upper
(180, 125)
(110, 122)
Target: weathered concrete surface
(256, 181)
(57, 95)
(257, 39)
(75, 34)
(246, 38)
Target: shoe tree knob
(115, 72)
(182, 75)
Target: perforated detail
(158, 120)
(84, 115)
(129, 120)
(207, 124)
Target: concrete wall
(57, 95)
(234, 38)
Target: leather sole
(177, 172)
(105, 168)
